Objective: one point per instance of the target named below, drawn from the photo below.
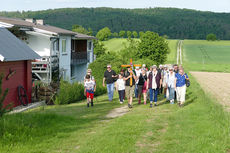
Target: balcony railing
(79, 58)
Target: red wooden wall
(22, 77)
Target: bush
(3, 95)
(69, 93)
(211, 37)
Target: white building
(63, 51)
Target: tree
(141, 33)
(129, 34)
(104, 34)
(122, 34)
(115, 35)
(153, 47)
(135, 34)
(99, 48)
(80, 29)
(211, 37)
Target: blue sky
(204, 5)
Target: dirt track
(218, 84)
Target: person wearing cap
(129, 85)
(181, 78)
(171, 84)
(109, 77)
(154, 83)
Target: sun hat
(154, 66)
(109, 65)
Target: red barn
(15, 65)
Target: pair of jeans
(110, 90)
(171, 93)
(153, 92)
(121, 95)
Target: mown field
(117, 44)
(202, 55)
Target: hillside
(175, 23)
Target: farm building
(64, 53)
(15, 65)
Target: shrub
(70, 93)
(3, 94)
(211, 37)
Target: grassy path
(201, 126)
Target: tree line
(175, 23)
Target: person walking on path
(171, 84)
(181, 78)
(129, 87)
(89, 72)
(90, 88)
(164, 84)
(161, 70)
(109, 77)
(154, 84)
(121, 88)
(142, 86)
(138, 72)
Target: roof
(83, 36)
(23, 23)
(13, 49)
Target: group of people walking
(170, 80)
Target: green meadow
(200, 126)
(202, 55)
(117, 44)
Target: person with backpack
(154, 83)
(129, 85)
(142, 83)
(181, 78)
(171, 84)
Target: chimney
(30, 20)
(40, 21)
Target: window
(90, 45)
(56, 45)
(63, 45)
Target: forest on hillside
(173, 22)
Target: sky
(203, 5)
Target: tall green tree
(122, 34)
(129, 34)
(99, 48)
(135, 34)
(115, 35)
(141, 33)
(79, 29)
(153, 47)
(211, 37)
(104, 34)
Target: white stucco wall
(65, 58)
(39, 43)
